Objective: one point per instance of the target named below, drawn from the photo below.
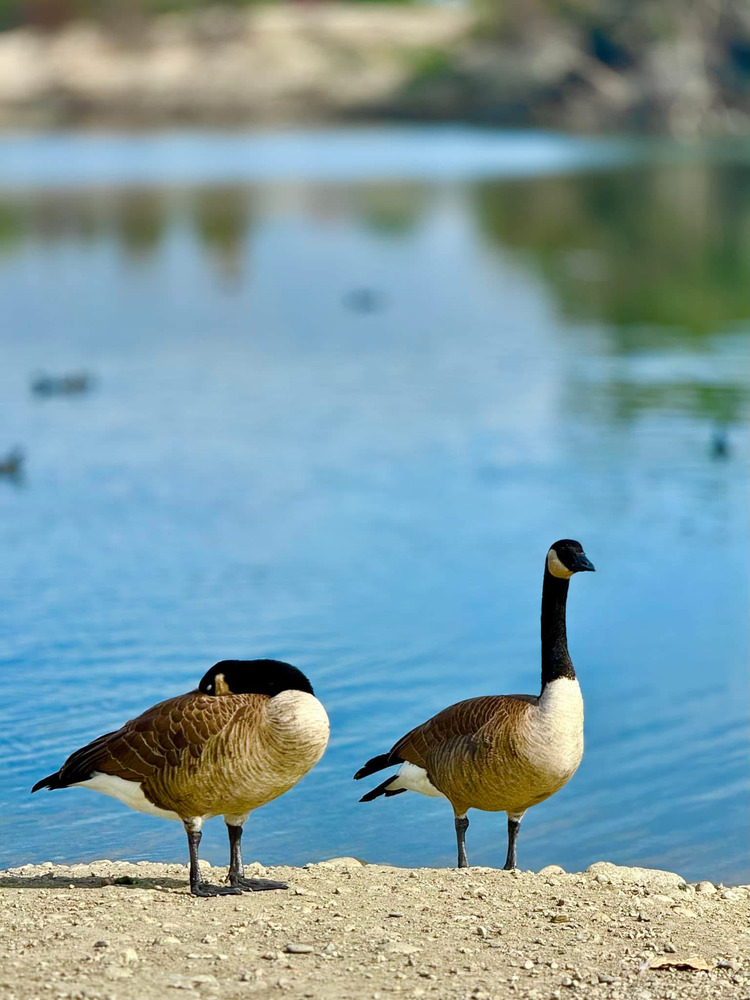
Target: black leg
(462, 825)
(237, 870)
(197, 886)
(514, 826)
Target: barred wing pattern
(451, 744)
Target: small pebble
(298, 949)
(395, 913)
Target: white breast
(299, 711)
(556, 727)
(299, 730)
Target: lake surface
(350, 386)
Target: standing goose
(249, 732)
(501, 753)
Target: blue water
(560, 330)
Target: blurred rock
(607, 873)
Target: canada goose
(501, 753)
(249, 732)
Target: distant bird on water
(364, 300)
(12, 464)
(719, 442)
(71, 384)
(501, 753)
(251, 730)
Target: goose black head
(269, 677)
(567, 557)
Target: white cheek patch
(556, 567)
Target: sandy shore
(116, 931)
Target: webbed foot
(205, 889)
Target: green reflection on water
(392, 209)
(623, 400)
(222, 219)
(652, 250)
(11, 226)
(656, 256)
(139, 219)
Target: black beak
(583, 564)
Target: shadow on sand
(90, 882)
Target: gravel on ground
(346, 929)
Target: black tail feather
(80, 766)
(51, 781)
(377, 764)
(382, 789)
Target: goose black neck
(555, 659)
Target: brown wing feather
(464, 720)
(456, 745)
(172, 733)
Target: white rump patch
(556, 566)
(415, 780)
(129, 792)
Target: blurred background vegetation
(675, 67)
(53, 14)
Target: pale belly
(510, 771)
(246, 777)
(495, 790)
(544, 754)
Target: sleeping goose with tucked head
(249, 732)
(501, 753)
